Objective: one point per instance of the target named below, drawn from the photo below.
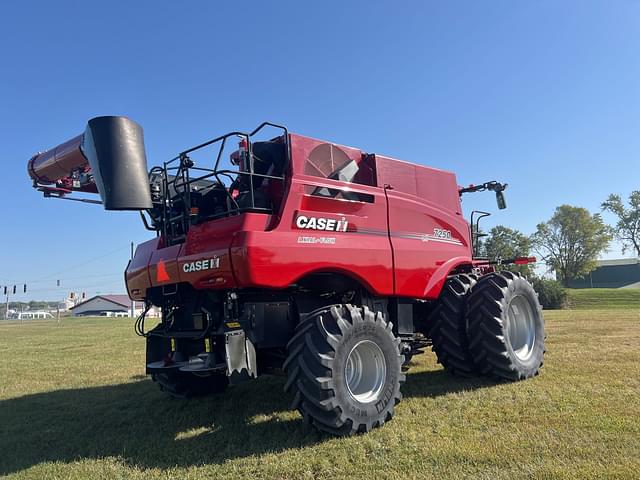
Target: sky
(542, 95)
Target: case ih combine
(294, 254)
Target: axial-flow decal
(320, 240)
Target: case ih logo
(200, 265)
(320, 223)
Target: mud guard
(439, 277)
(240, 356)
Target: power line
(73, 287)
(73, 267)
(66, 279)
(85, 262)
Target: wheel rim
(365, 371)
(521, 327)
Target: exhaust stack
(108, 158)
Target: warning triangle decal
(161, 272)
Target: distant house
(110, 306)
(620, 273)
(103, 306)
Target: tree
(504, 242)
(570, 241)
(627, 230)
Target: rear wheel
(344, 369)
(506, 327)
(186, 384)
(448, 326)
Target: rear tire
(344, 369)
(187, 385)
(506, 327)
(448, 326)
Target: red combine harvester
(295, 254)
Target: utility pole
(133, 302)
(6, 310)
(22, 308)
(58, 309)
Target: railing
(174, 203)
(476, 234)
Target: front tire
(344, 369)
(506, 327)
(448, 326)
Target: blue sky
(542, 95)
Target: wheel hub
(521, 327)
(365, 371)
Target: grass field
(609, 298)
(74, 403)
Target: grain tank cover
(114, 147)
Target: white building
(29, 315)
(108, 306)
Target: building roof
(122, 300)
(618, 261)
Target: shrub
(551, 293)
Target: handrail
(176, 179)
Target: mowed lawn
(74, 403)
(601, 298)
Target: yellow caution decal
(173, 344)
(207, 345)
(232, 324)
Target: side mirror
(502, 203)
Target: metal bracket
(240, 356)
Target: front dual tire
(506, 327)
(493, 326)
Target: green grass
(74, 403)
(604, 298)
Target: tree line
(570, 242)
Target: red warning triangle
(161, 272)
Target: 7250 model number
(441, 233)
